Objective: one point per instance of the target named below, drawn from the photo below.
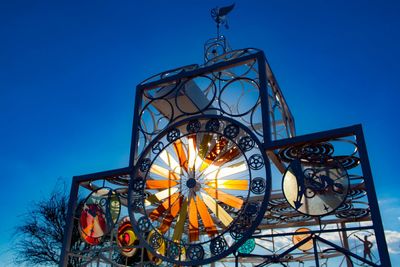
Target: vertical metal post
(345, 243)
(265, 108)
(69, 224)
(372, 199)
(135, 125)
(315, 252)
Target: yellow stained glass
(164, 172)
(161, 250)
(229, 184)
(179, 227)
(193, 222)
(215, 172)
(221, 214)
(204, 145)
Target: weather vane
(219, 16)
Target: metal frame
(271, 141)
(375, 217)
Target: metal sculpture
(217, 174)
(196, 191)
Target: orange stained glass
(300, 237)
(164, 172)
(180, 224)
(94, 228)
(206, 217)
(169, 218)
(229, 184)
(204, 145)
(221, 214)
(180, 151)
(160, 184)
(156, 213)
(214, 153)
(193, 222)
(226, 198)
(228, 156)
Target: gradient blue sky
(68, 70)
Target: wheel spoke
(221, 214)
(160, 196)
(206, 217)
(226, 198)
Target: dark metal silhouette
(219, 16)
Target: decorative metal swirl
(308, 152)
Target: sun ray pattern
(195, 187)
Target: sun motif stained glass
(195, 194)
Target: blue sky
(68, 70)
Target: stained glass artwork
(315, 187)
(99, 214)
(183, 177)
(154, 238)
(248, 246)
(196, 186)
(92, 224)
(300, 237)
(126, 237)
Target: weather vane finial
(219, 16)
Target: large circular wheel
(204, 192)
(315, 188)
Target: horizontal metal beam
(314, 137)
(102, 175)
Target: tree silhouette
(39, 237)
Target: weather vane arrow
(219, 16)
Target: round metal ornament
(198, 190)
(315, 187)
